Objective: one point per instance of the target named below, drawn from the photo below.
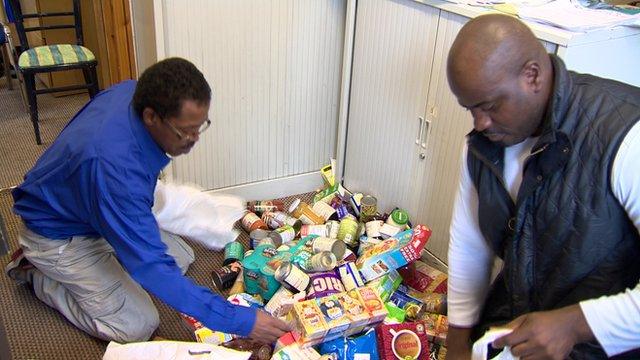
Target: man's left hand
(546, 335)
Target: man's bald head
(492, 45)
(500, 72)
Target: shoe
(19, 268)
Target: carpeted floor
(18, 148)
(34, 330)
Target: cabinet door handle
(424, 133)
(420, 129)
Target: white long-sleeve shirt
(614, 320)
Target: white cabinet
(392, 60)
(399, 76)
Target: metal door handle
(420, 129)
(424, 133)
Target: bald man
(550, 185)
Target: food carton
(372, 302)
(393, 253)
(310, 321)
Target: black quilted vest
(566, 238)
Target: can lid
(400, 216)
(294, 205)
(368, 200)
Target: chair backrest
(22, 30)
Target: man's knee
(136, 328)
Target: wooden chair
(53, 57)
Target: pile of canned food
(348, 279)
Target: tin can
(348, 231)
(292, 278)
(368, 207)
(350, 276)
(333, 227)
(373, 228)
(283, 234)
(278, 219)
(233, 252)
(250, 221)
(398, 218)
(256, 236)
(305, 213)
(224, 277)
(238, 285)
(265, 206)
(325, 210)
(337, 247)
(322, 261)
(259, 350)
(320, 230)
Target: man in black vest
(550, 186)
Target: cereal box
(358, 315)
(372, 302)
(334, 315)
(386, 285)
(407, 341)
(424, 278)
(393, 253)
(310, 321)
(204, 334)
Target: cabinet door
(448, 124)
(393, 55)
(274, 69)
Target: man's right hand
(268, 329)
(458, 347)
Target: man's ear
(531, 72)
(149, 116)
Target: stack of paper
(572, 16)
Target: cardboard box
(402, 341)
(393, 253)
(372, 302)
(310, 321)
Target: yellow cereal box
(372, 302)
(309, 320)
(334, 315)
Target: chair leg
(30, 84)
(91, 78)
(7, 66)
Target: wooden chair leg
(91, 78)
(7, 65)
(30, 84)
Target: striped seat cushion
(52, 55)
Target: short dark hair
(166, 84)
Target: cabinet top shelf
(544, 32)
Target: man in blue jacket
(90, 245)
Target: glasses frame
(181, 135)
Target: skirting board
(276, 188)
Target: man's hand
(458, 347)
(268, 329)
(546, 335)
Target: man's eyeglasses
(181, 134)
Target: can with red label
(265, 206)
(251, 222)
(320, 230)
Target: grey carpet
(18, 148)
(34, 330)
